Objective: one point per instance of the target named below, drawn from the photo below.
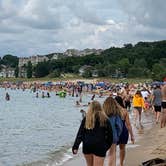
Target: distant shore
(44, 79)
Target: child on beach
(96, 134)
(147, 104)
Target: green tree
(16, 72)
(29, 69)
(129, 45)
(55, 74)
(135, 72)
(41, 69)
(140, 63)
(124, 65)
(101, 73)
(10, 60)
(87, 73)
(158, 72)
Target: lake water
(38, 131)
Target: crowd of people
(94, 131)
(106, 126)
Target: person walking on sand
(114, 112)
(163, 119)
(96, 134)
(156, 100)
(138, 105)
(127, 129)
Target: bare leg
(139, 114)
(135, 116)
(157, 117)
(89, 159)
(122, 153)
(112, 155)
(98, 161)
(163, 119)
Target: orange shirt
(138, 101)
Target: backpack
(117, 127)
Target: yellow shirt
(138, 101)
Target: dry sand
(152, 145)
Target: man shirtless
(163, 119)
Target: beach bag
(117, 127)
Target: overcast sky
(30, 27)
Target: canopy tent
(49, 83)
(101, 84)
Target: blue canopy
(157, 83)
(48, 83)
(101, 84)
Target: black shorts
(139, 109)
(164, 104)
(157, 108)
(98, 150)
(127, 104)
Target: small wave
(56, 158)
(64, 159)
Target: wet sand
(151, 144)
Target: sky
(31, 27)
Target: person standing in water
(7, 97)
(37, 95)
(43, 94)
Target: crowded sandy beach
(145, 124)
(82, 83)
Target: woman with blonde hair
(127, 129)
(114, 111)
(96, 134)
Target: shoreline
(73, 79)
(151, 144)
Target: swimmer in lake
(7, 97)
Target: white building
(7, 72)
(33, 59)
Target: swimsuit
(163, 104)
(123, 139)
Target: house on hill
(7, 72)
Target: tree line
(144, 60)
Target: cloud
(31, 27)
(146, 12)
